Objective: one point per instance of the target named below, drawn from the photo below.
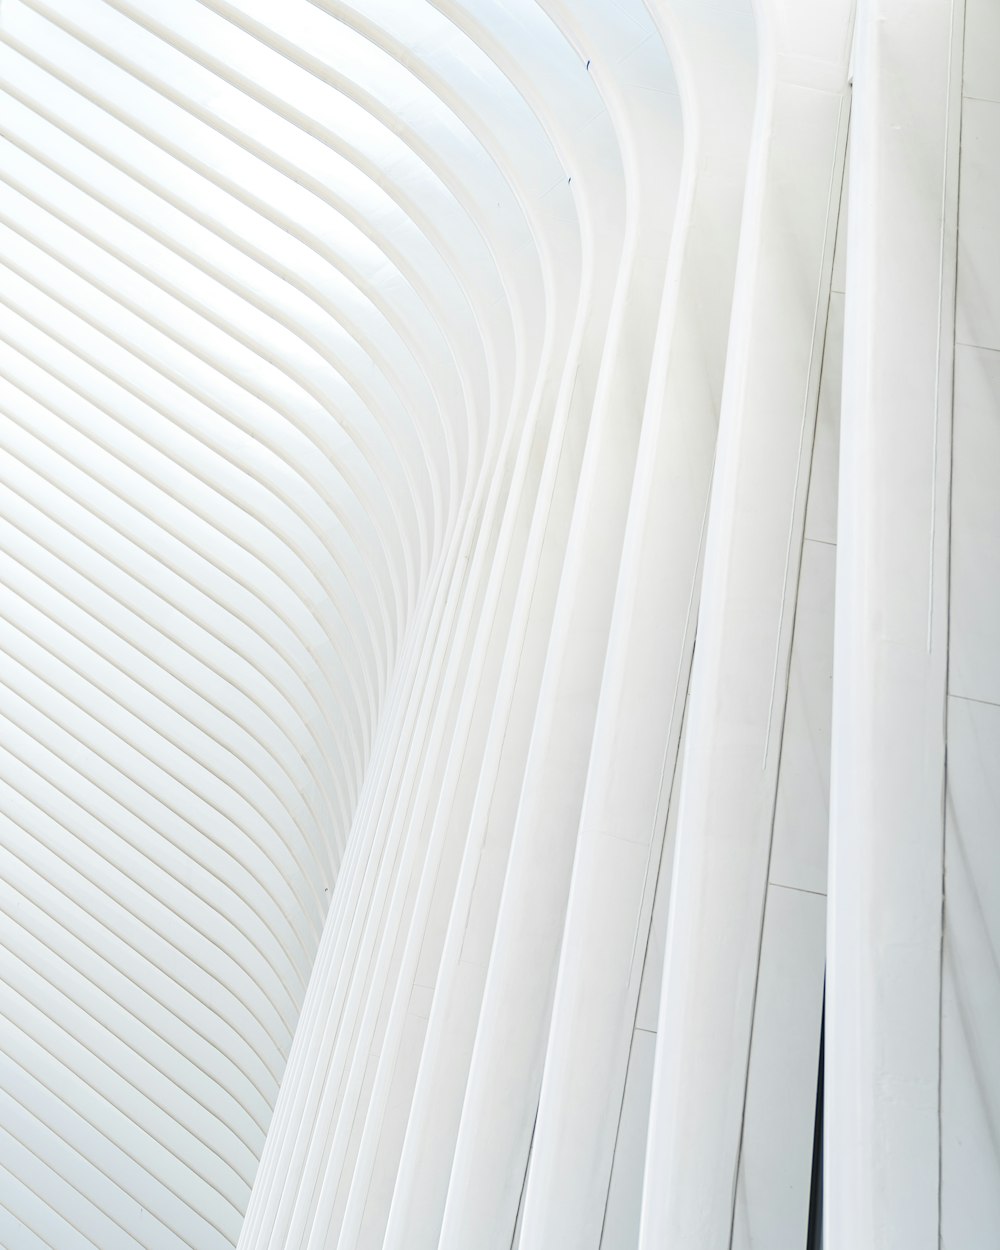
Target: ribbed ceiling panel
(270, 307)
(391, 391)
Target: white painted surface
(629, 783)
(772, 1189)
(970, 1024)
(802, 811)
(361, 366)
(887, 785)
(746, 613)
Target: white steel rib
(392, 394)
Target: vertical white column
(646, 674)
(970, 998)
(735, 714)
(887, 784)
(494, 1134)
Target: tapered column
(887, 789)
(735, 715)
(494, 1134)
(639, 715)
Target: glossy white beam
(633, 756)
(887, 787)
(376, 376)
(738, 683)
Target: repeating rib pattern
(256, 355)
(390, 392)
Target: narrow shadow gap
(814, 1236)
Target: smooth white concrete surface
(772, 1189)
(490, 532)
(633, 754)
(802, 806)
(745, 622)
(970, 1024)
(970, 1008)
(974, 666)
(882, 1158)
(624, 1197)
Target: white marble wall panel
(970, 1025)
(838, 283)
(970, 1000)
(975, 599)
(981, 79)
(647, 1010)
(772, 1189)
(620, 1230)
(821, 510)
(774, 1180)
(977, 313)
(802, 810)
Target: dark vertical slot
(814, 1238)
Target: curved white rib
(392, 392)
(229, 483)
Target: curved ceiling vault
(389, 389)
(291, 297)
